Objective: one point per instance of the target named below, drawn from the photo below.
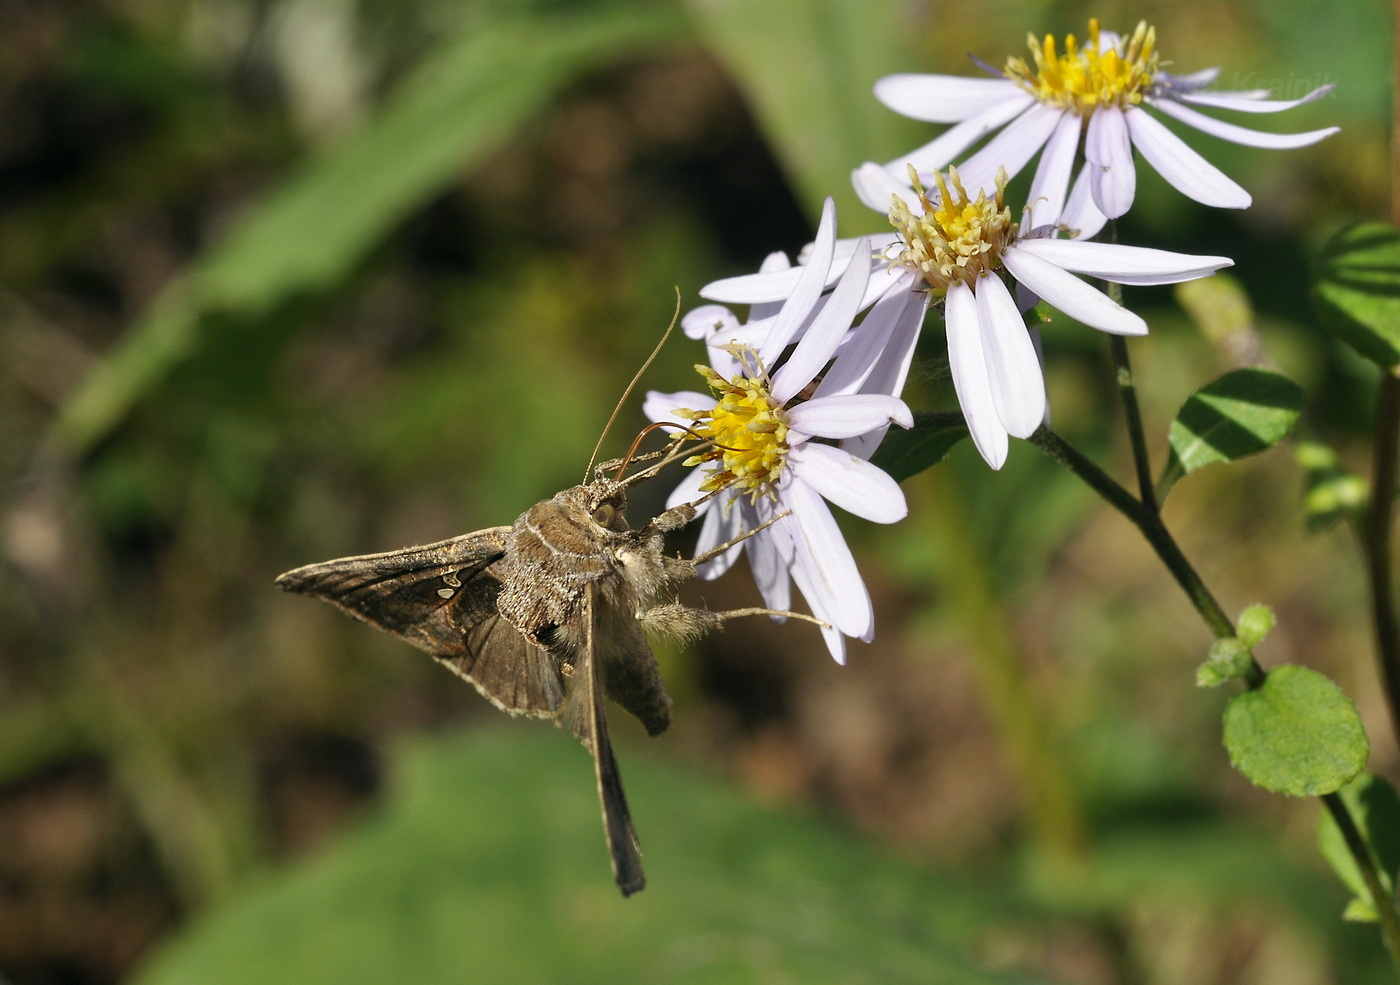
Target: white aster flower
(770, 455)
(1099, 90)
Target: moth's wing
(591, 725)
(442, 599)
(629, 672)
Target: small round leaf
(1296, 734)
(905, 453)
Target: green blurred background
(288, 280)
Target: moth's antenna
(631, 386)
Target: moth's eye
(604, 515)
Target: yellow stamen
(1083, 78)
(956, 238)
(748, 428)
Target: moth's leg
(672, 519)
(715, 552)
(688, 623)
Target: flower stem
(1376, 537)
(1386, 906)
(1127, 389)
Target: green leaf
(489, 867)
(1243, 412)
(1221, 310)
(808, 66)
(1356, 289)
(309, 233)
(1375, 807)
(1296, 734)
(1333, 491)
(905, 453)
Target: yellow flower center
(1084, 78)
(956, 238)
(748, 430)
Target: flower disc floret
(956, 239)
(1085, 78)
(748, 430)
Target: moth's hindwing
(442, 598)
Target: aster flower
(967, 252)
(770, 455)
(1100, 89)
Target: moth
(544, 617)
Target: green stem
(1127, 389)
(1386, 906)
(1376, 537)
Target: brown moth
(544, 618)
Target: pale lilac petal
(835, 641)
(721, 526)
(856, 358)
(1193, 80)
(708, 319)
(1081, 216)
(1122, 264)
(968, 364)
(1071, 295)
(819, 343)
(770, 554)
(1112, 177)
(688, 490)
(848, 415)
(798, 307)
(936, 154)
(1018, 386)
(849, 482)
(773, 262)
(1040, 356)
(1047, 195)
(875, 187)
(1250, 101)
(1010, 149)
(1242, 135)
(826, 564)
(661, 406)
(1185, 170)
(891, 370)
(942, 98)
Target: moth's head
(602, 503)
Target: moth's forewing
(442, 599)
(591, 725)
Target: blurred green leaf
(1230, 659)
(1296, 734)
(1375, 807)
(1221, 310)
(809, 67)
(1243, 412)
(1333, 491)
(1357, 290)
(490, 867)
(905, 453)
(310, 232)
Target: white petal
(1071, 295)
(848, 415)
(1112, 177)
(770, 553)
(1040, 356)
(891, 370)
(1123, 264)
(1081, 215)
(1010, 149)
(1251, 101)
(819, 343)
(798, 307)
(721, 526)
(660, 406)
(773, 262)
(1018, 387)
(688, 490)
(936, 154)
(942, 98)
(825, 562)
(856, 358)
(835, 641)
(1192, 80)
(706, 320)
(1242, 135)
(969, 367)
(1047, 195)
(875, 187)
(1185, 170)
(851, 483)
